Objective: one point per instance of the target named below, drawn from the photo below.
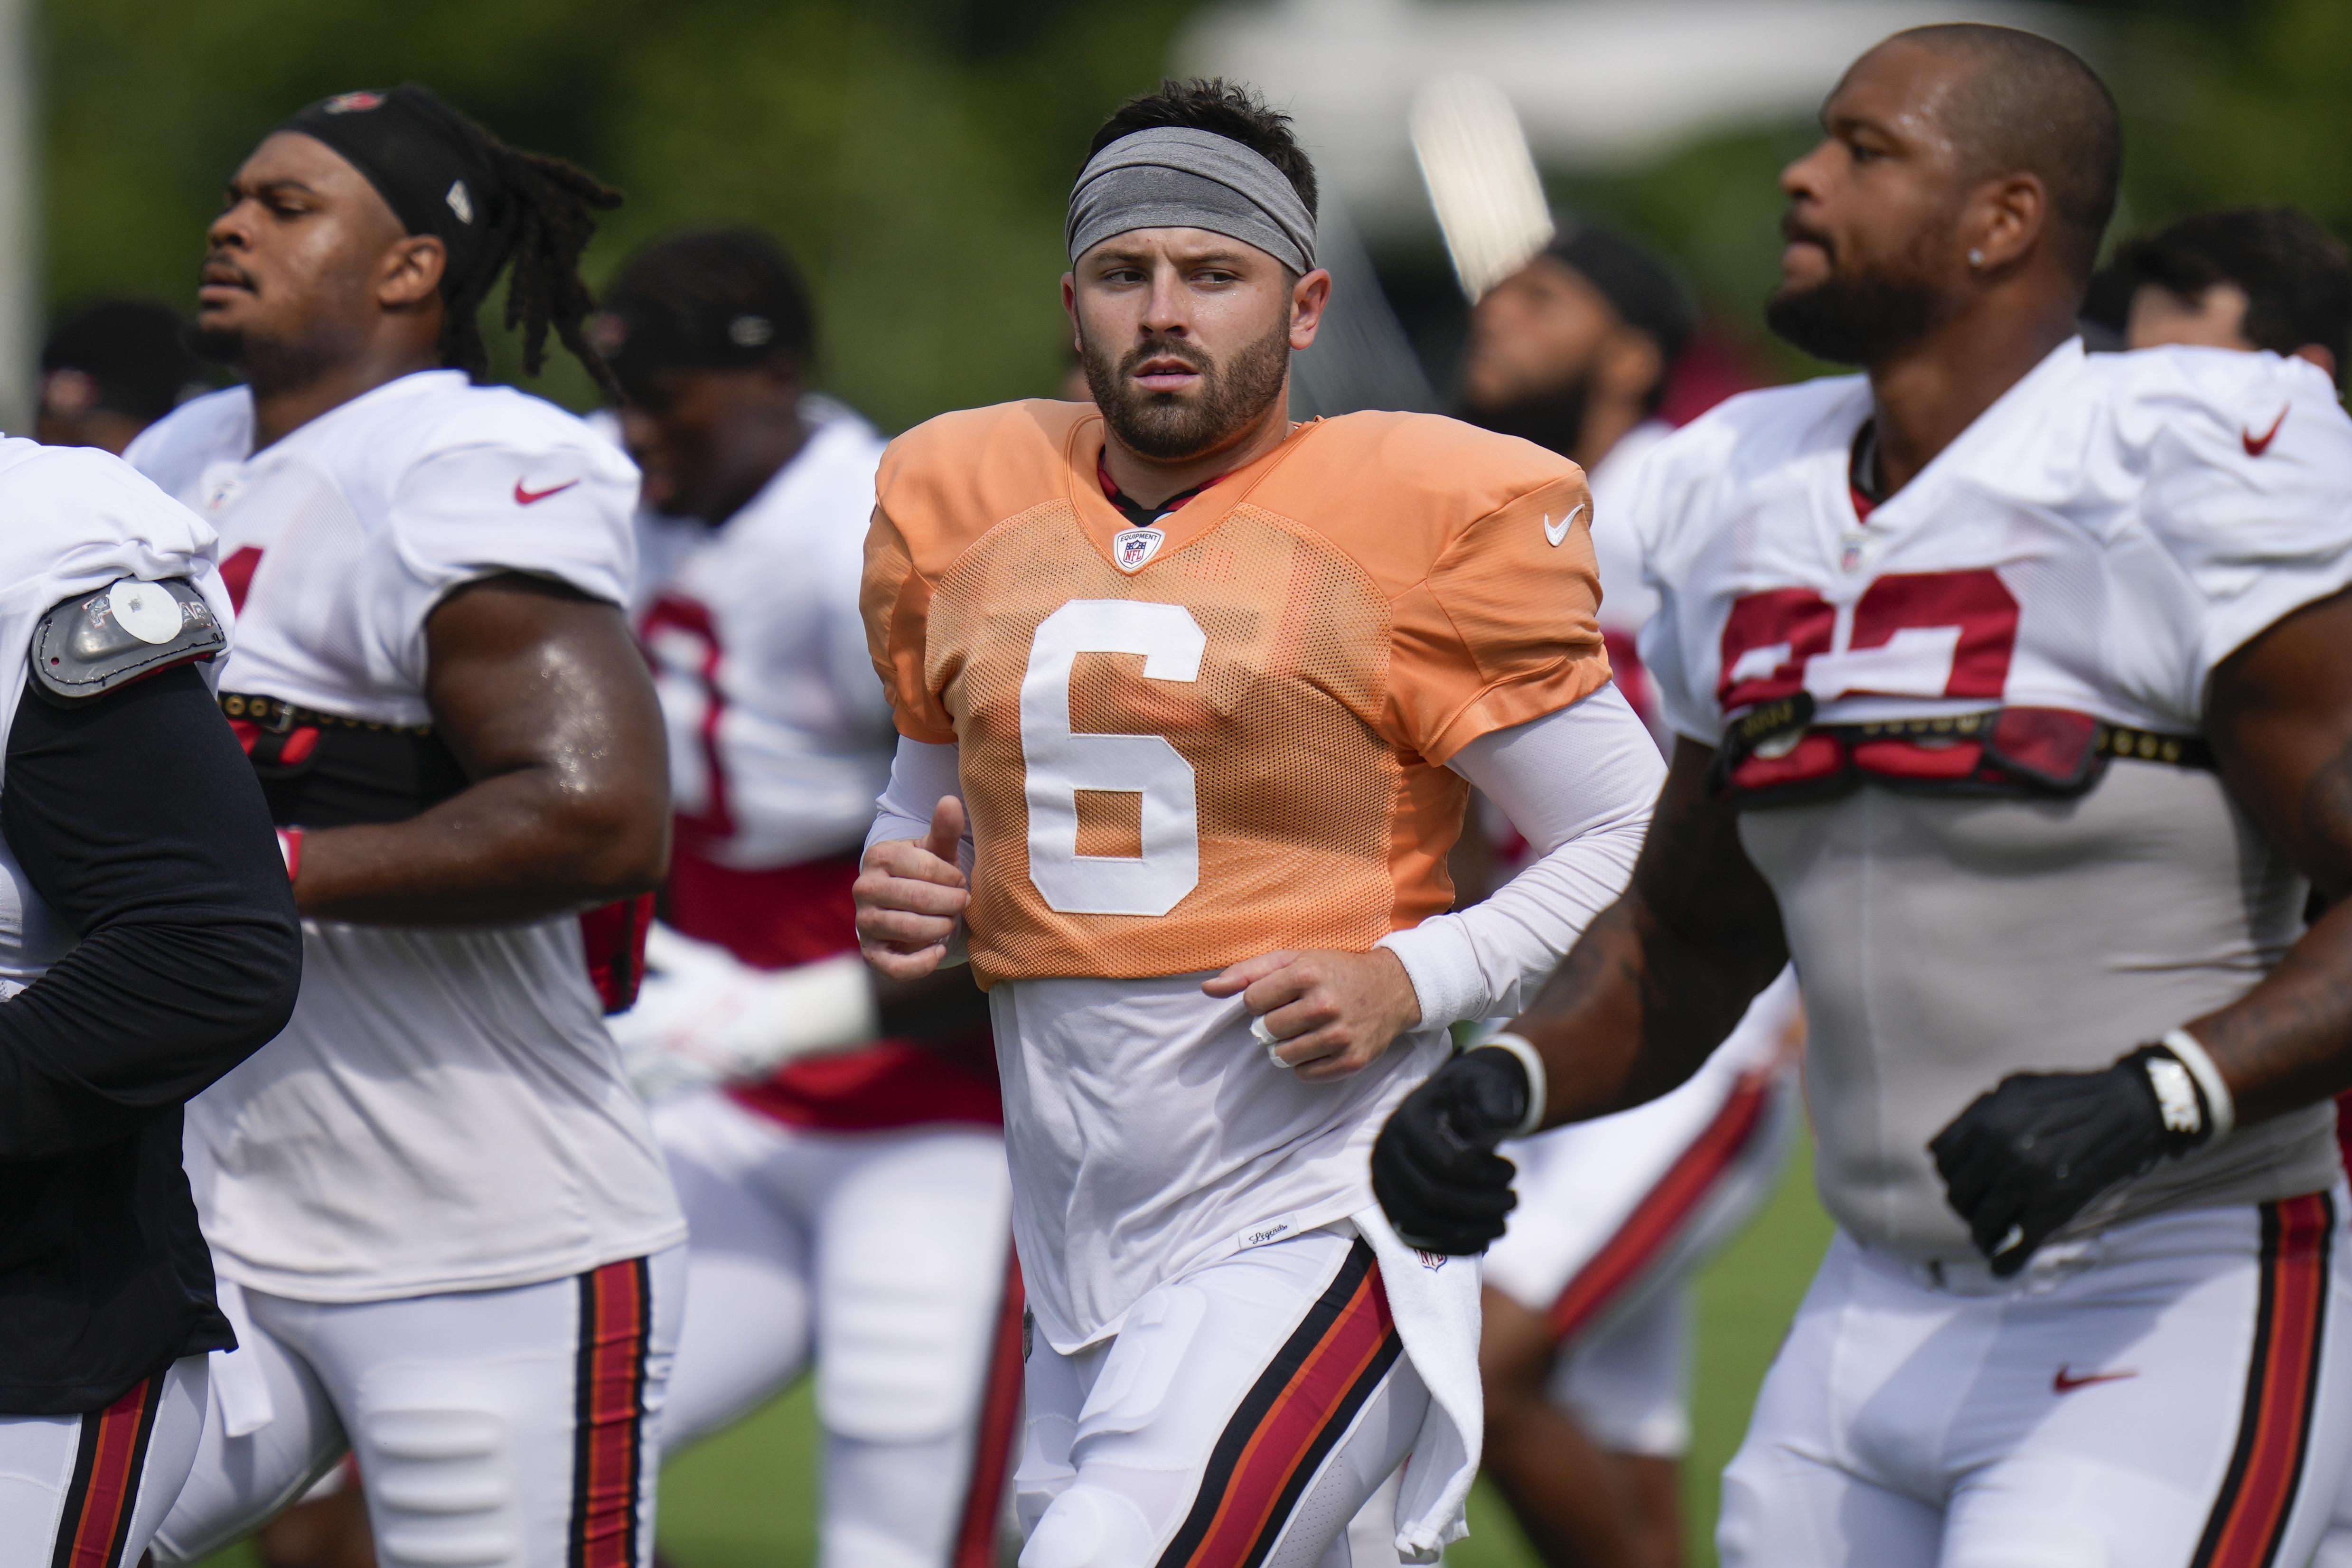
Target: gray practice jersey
(2095, 544)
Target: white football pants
(1616, 1216)
(888, 1255)
(1243, 1415)
(2174, 1392)
(88, 1492)
(515, 1429)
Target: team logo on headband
(750, 332)
(1130, 548)
(461, 201)
(355, 102)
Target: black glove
(1434, 1168)
(2022, 1161)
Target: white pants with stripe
(1243, 1415)
(2174, 1392)
(886, 1257)
(1616, 1216)
(88, 1492)
(515, 1429)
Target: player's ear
(412, 271)
(2006, 219)
(1307, 298)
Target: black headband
(1636, 284)
(415, 151)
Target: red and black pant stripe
(608, 1431)
(1000, 1417)
(1290, 1420)
(2259, 1490)
(1664, 1212)
(95, 1524)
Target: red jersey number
(1919, 634)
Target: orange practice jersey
(1238, 744)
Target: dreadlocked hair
(551, 217)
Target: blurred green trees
(915, 154)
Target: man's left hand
(2026, 1158)
(1334, 1012)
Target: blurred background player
(1216, 688)
(1586, 1338)
(112, 368)
(148, 945)
(452, 1237)
(2250, 279)
(834, 1136)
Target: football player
(147, 944)
(109, 369)
(454, 1249)
(834, 1136)
(1586, 1347)
(2011, 697)
(2252, 279)
(1210, 690)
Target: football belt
(324, 770)
(1774, 753)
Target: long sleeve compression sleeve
(1579, 785)
(138, 821)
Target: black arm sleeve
(138, 818)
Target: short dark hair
(2296, 276)
(710, 298)
(1223, 108)
(2032, 106)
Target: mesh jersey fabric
(1356, 605)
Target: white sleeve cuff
(1539, 1085)
(1442, 961)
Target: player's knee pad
(1089, 1527)
(903, 1352)
(440, 1488)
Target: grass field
(747, 1499)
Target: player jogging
(1586, 1342)
(456, 1247)
(1214, 690)
(2010, 698)
(147, 944)
(846, 1193)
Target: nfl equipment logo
(1132, 547)
(355, 102)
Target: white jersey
(2096, 542)
(1627, 599)
(446, 1110)
(84, 521)
(780, 735)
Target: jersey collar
(1104, 523)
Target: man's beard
(1171, 427)
(266, 364)
(1860, 319)
(1552, 420)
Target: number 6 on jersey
(1060, 761)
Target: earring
(1976, 257)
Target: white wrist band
(2218, 1107)
(1533, 1063)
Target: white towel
(1434, 1300)
(238, 1385)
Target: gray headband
(1173, 177)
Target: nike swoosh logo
(1555, 534)
(2257, 444)
(2066, 1382)
(530, 496)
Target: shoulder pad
(99, 642)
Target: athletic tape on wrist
(2219, 1108)
(1519, 1047)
